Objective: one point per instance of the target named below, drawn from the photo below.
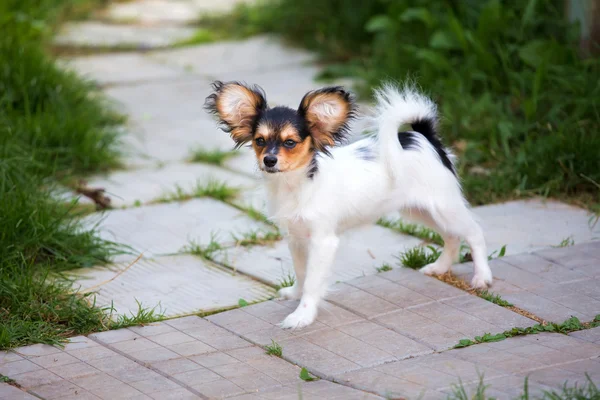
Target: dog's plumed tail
(398, 111)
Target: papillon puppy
(316, 190)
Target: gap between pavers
(554, 284)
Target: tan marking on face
(287, 159)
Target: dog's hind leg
(459, 222)
(451, 243)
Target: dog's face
(282, 138)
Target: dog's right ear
(237, 106)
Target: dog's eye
(260, 142)
(290, 144)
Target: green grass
(419, 231)
(211, 188)
(214, 157)
(493, 298)
(306, 376)
(201, 36)
(570, 325)
(274, 349)
(256, 238)
(206, 252)
(418, 257)
(142, 316)
(242, 303)
(54, 127)
(384, 268)
(519, 103)
(566, 242)
(287, 280)
(588, 391)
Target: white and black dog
(316, 190)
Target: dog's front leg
(321, 254)
(299, 249)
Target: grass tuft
(141, 317)
(274, 349)
(418, 257)
(570, 325)
(286, 281)
(211, 188)
(206, 252)
(384, 268)
(214, 157)
(493, 298)
(256, 238)
(566, 242)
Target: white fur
(349, 191)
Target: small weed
(570, 325)
(460, 393)
(141, 317)
(214, 157)
(242, 303)
(287, 281)
(588, 391)
(384, 268)
(212, 188)
(493, 298)
(137, 203)
(6, 379)
(306, 376)
(206, 252)
(201, 36)
(256, 237)
(274, 349)
(566, 242)
(418, 257)
(421, 232)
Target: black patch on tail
(426, 127)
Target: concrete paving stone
(582, 367)
(95, 381)
(213, 359)
(178, 394)
(118, 391)
(543, 268)
(500, 317)
(9, 392)
(427, 331)
(191, 348)
(156, 384)
(219, 60)
(359, 301)
(218, 389)
(218, 338)
(589, 287)
(78, 342)
(54, 360)
(390, 291)
(152, 329)
(245, 376)
(238, 321)
(423, 284)
(122, 68)
(74, 370)
(321, 361)
(557, 377)
(134, 345)
(102, 35)
(57, 390)
(385, 385)
(178, 365)
(177, 285)
(276, 368)
(385, 339)
(171, 338)
(351, 348)
(166, 228)
(584, 305)
(82, 395)
(137, 374)
(9, 356)
(245, 163)
(36, 378)
(18, 367)
(167, 11)
(36, 350)
(592, 248)
(114, 364)
(118, 335)
(189, 322)
(125, 188)
(542, 307)
(320, 389)
(197, 376)
(360, 253)
(571, 256)
(154, 355)
(589, 335)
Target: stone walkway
(380, 335)
(389, 335)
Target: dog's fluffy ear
(327, 113)
(237, 106)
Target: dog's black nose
(270, 160)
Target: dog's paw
(300, 318)
(482, 280)
(289, 293)
(434, 268)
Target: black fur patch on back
(426, 127)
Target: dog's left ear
(327, 112)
